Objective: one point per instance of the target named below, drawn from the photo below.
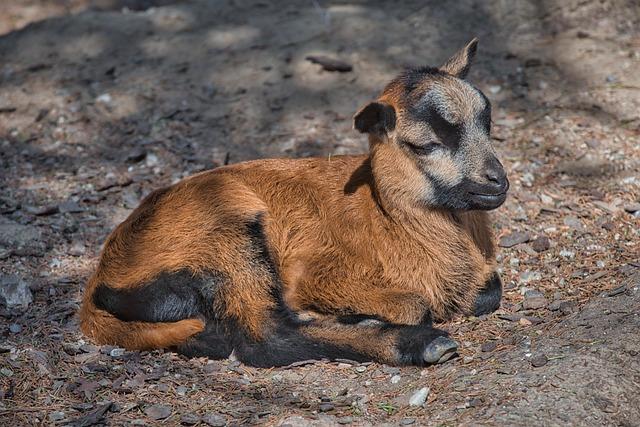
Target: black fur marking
(214, 342)
(488, 299)
(288, 344)
(169, 297)
(484, 117)
(411, 78)
(448, 133)
(460, 197)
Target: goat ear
(375, 118)
(460, 63)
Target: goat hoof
(439, 350)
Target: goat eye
(422, 150)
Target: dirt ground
(103, 101)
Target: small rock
(538, 360)
(607, 207)
(565, 253)
(547, 200)
(105, 98)
(158, 411)
(573, 222)
(530, 276)
(617, 291)
(632, 207)
(70, 207)
(555, 305)
(525, 322)
(151, 160)
(14, 328)
(407, 421)
(77, 249)
(56, 416)
(567, 307)
(136, 155)
(505, 370)
(189, 419)
(21, 240)
(117, 352)
(534, 300)
(510, 317)
(361, 369)
(214, 420)
(6, 372)
(41, 210)
(181, 390)
(514, 239)
(488, 346)
(326, 407)
(345, 420)
(541, 244)
(395, 379)
(419, 397)
(14, 291)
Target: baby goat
(347, 257)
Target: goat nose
(495, 176)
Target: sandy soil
(103, 101)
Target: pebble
(514, 239)
(70, 207)
(56, 416)
(530, 276)
(407, 421)
(77, 249)
(214, 420)
(105, 98)
(488, 346)
(546, 199)
(573, 222)
(345, 420)
(181, 390)
(534, 300)
(419, 397)
(14, 328)
(555, 305)
(361, 369)
(541, 244)
(505, 370)
(117, 352)
(136, 155)
(632, 207)
(538, 360)
(395, 379)
(14, 291)
(565, 253)
(21, 240)
(189, 419)
(158, 411)
(151, 160)
(326, 407)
